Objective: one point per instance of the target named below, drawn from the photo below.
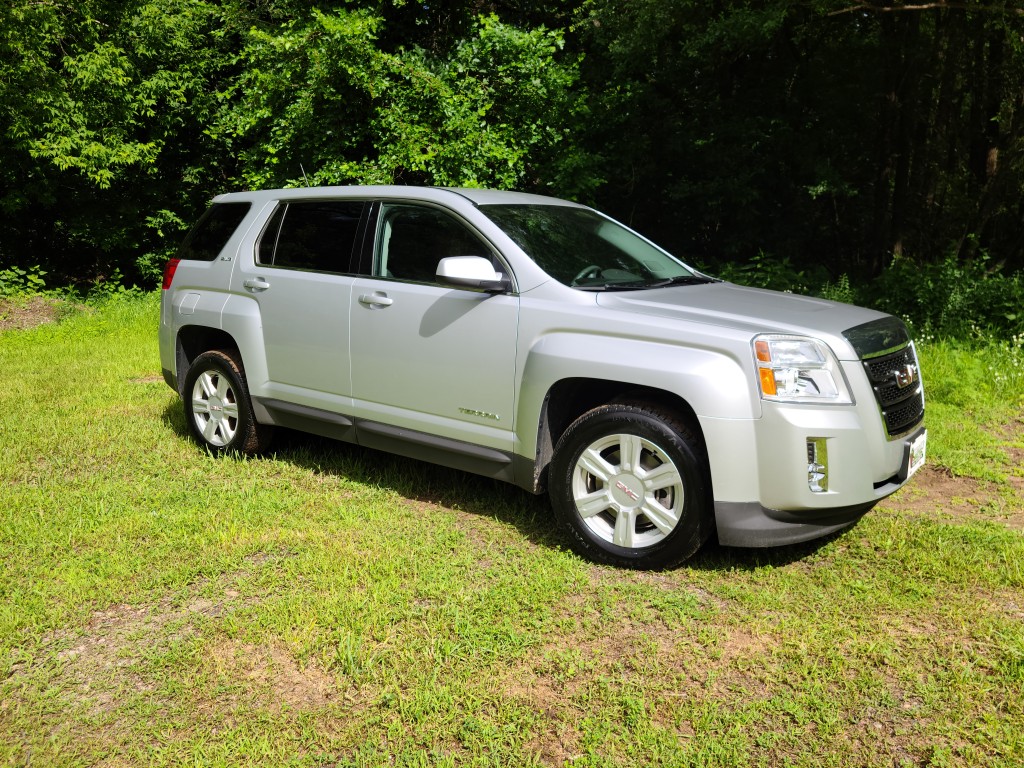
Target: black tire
(218, 409)
(648, 510)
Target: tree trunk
(900, 74)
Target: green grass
(331, 606)
(974, 393)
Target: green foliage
(841, 290)
(105, 107)
(319, 102)
(827, 137)
(971, 301)
(971, 388)
(15, 281)
(169, 229)
(110, 288)
(476, 118)
(952, 298)
(804, 129)
(97, 110)
(767, 271)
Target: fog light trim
(817, 464)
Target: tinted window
(211, 233)
(316, 235)
(413, 240)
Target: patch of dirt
(936, 492)
(691, 662)
(269, 677)
(152, 378)
(96, 665)
(23, 314)
(1017, 457)
(104, 662)
(559, 740)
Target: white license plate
(917, 452)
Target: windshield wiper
(678, 280)
(630, 285)
(633, 285)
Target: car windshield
(583, 249)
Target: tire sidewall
(693, 527)
(223, 365)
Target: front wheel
(629, 483)
(217, 405)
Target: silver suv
(540, 342)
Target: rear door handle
(375, 299)
(256, 284)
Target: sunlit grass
(972, 392)
(332, 606)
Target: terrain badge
(481, 414)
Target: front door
(428, 357)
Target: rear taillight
(169, 272)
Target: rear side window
(211, 233)
(317, 235)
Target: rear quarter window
(207, 238)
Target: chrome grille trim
(895, 379)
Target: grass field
(332, 606)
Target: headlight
(798, 369)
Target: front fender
(713, 382)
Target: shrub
(15, 281)
(766, 271)
(951, 298)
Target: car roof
(429, 194)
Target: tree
(833, 133)
(104, 107)
(121, 119)
(319, 101)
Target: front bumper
(764, 495)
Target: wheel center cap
(627, 490)
(216, 408)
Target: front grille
(880, 368)
(903, 417)
(896, 382)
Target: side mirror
(470, 272)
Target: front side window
(316, 235)
(581, 248)
(413, 239)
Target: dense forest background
(863, 150)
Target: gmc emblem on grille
(905, 377)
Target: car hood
(754, 310)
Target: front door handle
(375, 299)
(256, 284)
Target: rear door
(428, 357)
(301, 279)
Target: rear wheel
(218, 408)
(629, 483)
